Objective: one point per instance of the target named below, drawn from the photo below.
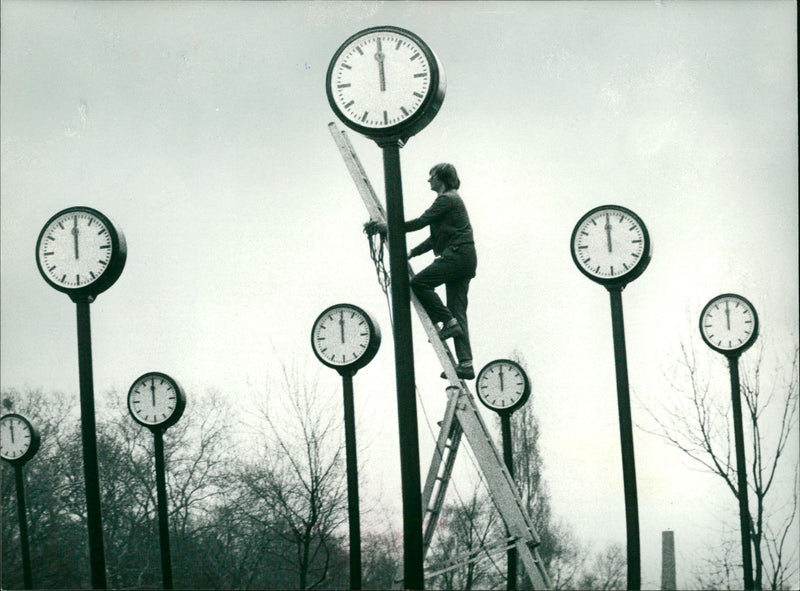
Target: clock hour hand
(341, 325)
(75, 235)
(11, 429)
(501, 379)
(380, 56)
(608, 233)
(728, 314)
(153, 391)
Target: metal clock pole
(163, 516)
(508, 458)
(347, 345)
(22, 516)
(611, 246)
(741, 470)
(82, 253)
(404, 362)
(157, 401)
(626, 439)
(94, 517)
(503, 386)
(729, 325)
(353, 510)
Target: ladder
(461, 417)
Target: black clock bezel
(119, 254)
(35, 440)
(635, 271)
(368, 354)
(430, 106)
(180, 403)
(526, 392)
(735, 352)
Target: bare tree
(295, 491)
(699, 425)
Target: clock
(385, 83)
(729, 324)
(611, 245)
(80, 252)
(503, 386)
(19, 440)
(345, 337)
(156, 401)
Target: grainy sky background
(200, 128)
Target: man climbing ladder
(452, 242)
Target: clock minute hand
(75, 235)
(341, 325)
(728, 314)
(380, 56)
(153, 391)
(608, 233)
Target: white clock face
(75, 249)
(610, 243)
(341, 336)
(380, 79)
(502, 385)
(153, 399)
(729, 323)
(15, 437)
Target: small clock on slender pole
(387, 84)
(19, 442)
(729, 325)
(611, 246)
(157, 401)
(81, 252)
(345, 337)
(503, 386)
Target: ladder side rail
(449, 437)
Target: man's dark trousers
(455, 268)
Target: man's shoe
(464, 372)
(452, 331)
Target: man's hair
(447, 174)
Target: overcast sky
(201, 129)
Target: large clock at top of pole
(385, 83)
(80, 252)
(611, 245)
(729, 324)
(345, 337)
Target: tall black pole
(88, 434)
(352, 481)
(404, 370)
(741, 469)
(508, 457)
(163, 516)
(22, 515)
(626, 440)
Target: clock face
(729, 324)
(18, 439)
(611, 245)
(80, 251)
(502, 385)
(383, 80)
(156, 400)
(345, 337)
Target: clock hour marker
(413, 57)
(103, 231)
(399, 43)
(403, 109)
(346, 85)
(421, 75)
(358, 49)
(385, 117)
(364, 116)
(417, 94)
(348, 66)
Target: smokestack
(668, 560)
